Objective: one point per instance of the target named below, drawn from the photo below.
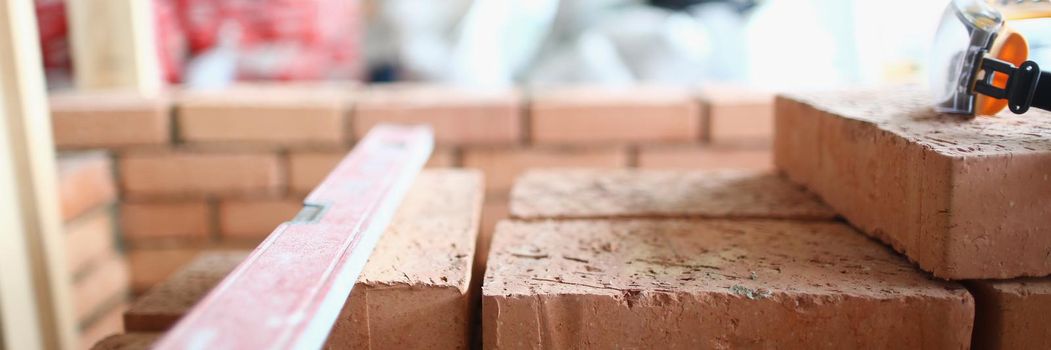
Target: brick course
(85, 182)
(705, 157)
(502, 165)
(630, 193)
(189, 220)
(459, 116)
(711, 284)
(264, 114)
(579, 115)
(255, 219)
(738, 115)
(195, 174)
(109, 120)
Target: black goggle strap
(1027, 86)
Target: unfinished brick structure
(696, 260)
(610, 257)
(192, 166)
(416, 282)
(962, 198)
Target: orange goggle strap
(1027, 86)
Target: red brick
(272, 114)
(711, 284)
(166, 220)
(165, 303)
(152, 266)
(413, 292)
(106, 285)
(705, 157)
(494, 210)
(109, 120)
(185, 173)
(581, 115)
(459, 116)
(255, 219)
(502, 165)
(308, 168)
(129, 341)
(594, 193)
(738, 115)
(1011, 314)
(964, 199)
(89, 240)
(85, 182)
(108, 324)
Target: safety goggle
(979, 65)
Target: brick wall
(220, 169)
(96, 268)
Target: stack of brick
(98, 271)
(701, 259)
(414, 292)
(220, 169)
(963, 199)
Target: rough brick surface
(186, 173)
(166, 220)
(705, 157)
(458, 116)
(614, 115)
(1012, 314)
(592, 193)
(85, 182)
(129, 341)
(738, 115)
(106, 285)
(415, 285)
(109, 120)
(413, 292)
(711, 284)
(152, 266)
(264, 114)
(89, 240)
(963, 198)
(308, 168)
(165, 303)
(502, 165)
(255, 219)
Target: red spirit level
(289, 292)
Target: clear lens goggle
(979, 65)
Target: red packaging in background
(278, 39)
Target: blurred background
(775, 44)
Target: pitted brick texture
(711, 284)
(962, 198)
(594, 193)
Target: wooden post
(35, 302)
(114, 45)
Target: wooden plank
(114, 45)
(290, 290)
(35, 303)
